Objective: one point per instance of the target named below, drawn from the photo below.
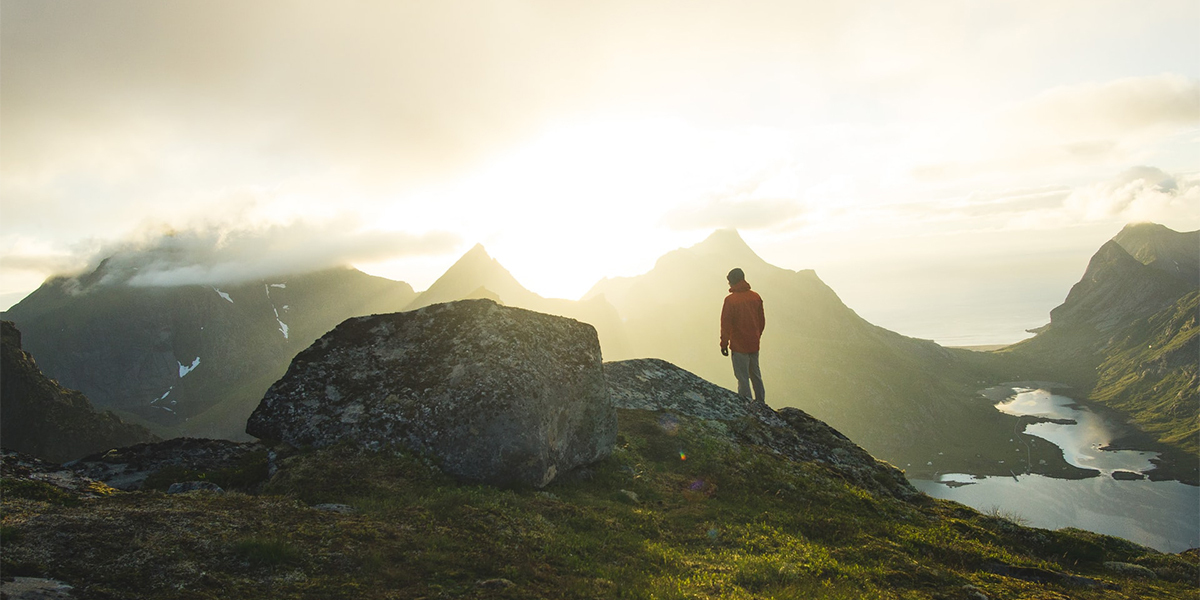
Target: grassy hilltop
(684, 508)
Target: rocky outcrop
(47, 420)
(128, 468)
(657, 385)
(20, 467)
(497, 394)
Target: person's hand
(724, 351)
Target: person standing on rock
(742, 323)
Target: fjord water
(1164, 515)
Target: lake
(1164, 515)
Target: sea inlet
(1119, 501)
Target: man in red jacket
(742, 322)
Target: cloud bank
(217, 255)
(1138, 194)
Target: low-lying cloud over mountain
(1138, 194)
(213, 255)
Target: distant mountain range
(195, 360)
(189, 360)
(47, 420)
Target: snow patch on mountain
(162, 397)
(188, 369)
(283, 328)
(223, 295)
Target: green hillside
(698, 510)
(1150, 373)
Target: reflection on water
(1161, 514)
(1081, 441)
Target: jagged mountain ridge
(192, 359)
(46, 420)
(884, 389)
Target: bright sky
(938, 163)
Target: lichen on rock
(498, 395)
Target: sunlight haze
(947, 168)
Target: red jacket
(742, 319)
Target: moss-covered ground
(673, 513)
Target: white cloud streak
(217, 255)
(1138, 194)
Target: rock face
(47, 420)
(1115, 290)
(657, 385)
(498, 395)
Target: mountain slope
(190, 360)
(46, 420)
(1116, 289)
(908, 401)
(1126, 334)
(474, 271)
(1150, 374)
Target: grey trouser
(745, 368)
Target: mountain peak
(1160, 247)
(725, 237)
(1145, 228)
(475, 272)
(477, 250)
(476, 261)
(476, 255)
(728, 245)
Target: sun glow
(587, 200)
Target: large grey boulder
(498, 395)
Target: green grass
(250, 472)
(35, 490)
(269, 552)
(730, 521)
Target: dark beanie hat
(735, 276)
